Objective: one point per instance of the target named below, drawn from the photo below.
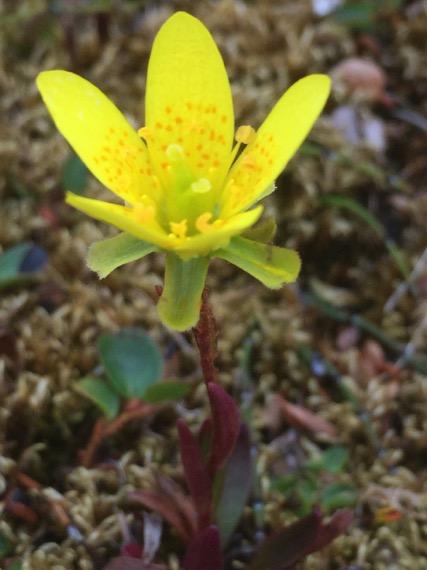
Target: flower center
(189, 204)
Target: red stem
(205, 334)
(104, 428)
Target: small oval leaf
(18, 262)
(132, 362)
(101, 394)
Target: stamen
(245, 134)
(201, 186)
(144, 133)
(179, 229)
(202, 222)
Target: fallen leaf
(301, 417)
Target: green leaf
(74, 174)
(332, 460)
(335, 458)
(132, 362)
(179, 305)
(106, 255)
(16, 565)
(101, 394)
(338, 495)
(353, 206)
(286, 483)
(5, 546)
(10, 263)
(270, 264)
(166, 391)
(357, 15)
(364, 214)
(306, 490)
(19, 262)
(236, 486)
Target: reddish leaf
(236, 486)
(183, 503)
(196, 474)
(285, 548)
(128, 563)
(125, 563)
(205, 436)
(301, 417)
(328, 532)
(226, 426)
(169, 502)
(204, 552)
(132, 549)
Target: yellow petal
(218, 235)
(188, 99)
(98, 132)
(275, 143)
(121, 217)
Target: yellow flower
(187, 189)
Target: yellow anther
(202, 222)
(245, 134)
(179, 229)
(201, 186)
(144, 132)
(175, 152)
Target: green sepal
(271, 265)
(179, 305)
(106, 255)
(263, 232)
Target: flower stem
(205, 334)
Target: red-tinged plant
(290, 545)
(129, 563)
(204, 551)
(197, 475)
(192, 194)
(218, 471)
(167, 499)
